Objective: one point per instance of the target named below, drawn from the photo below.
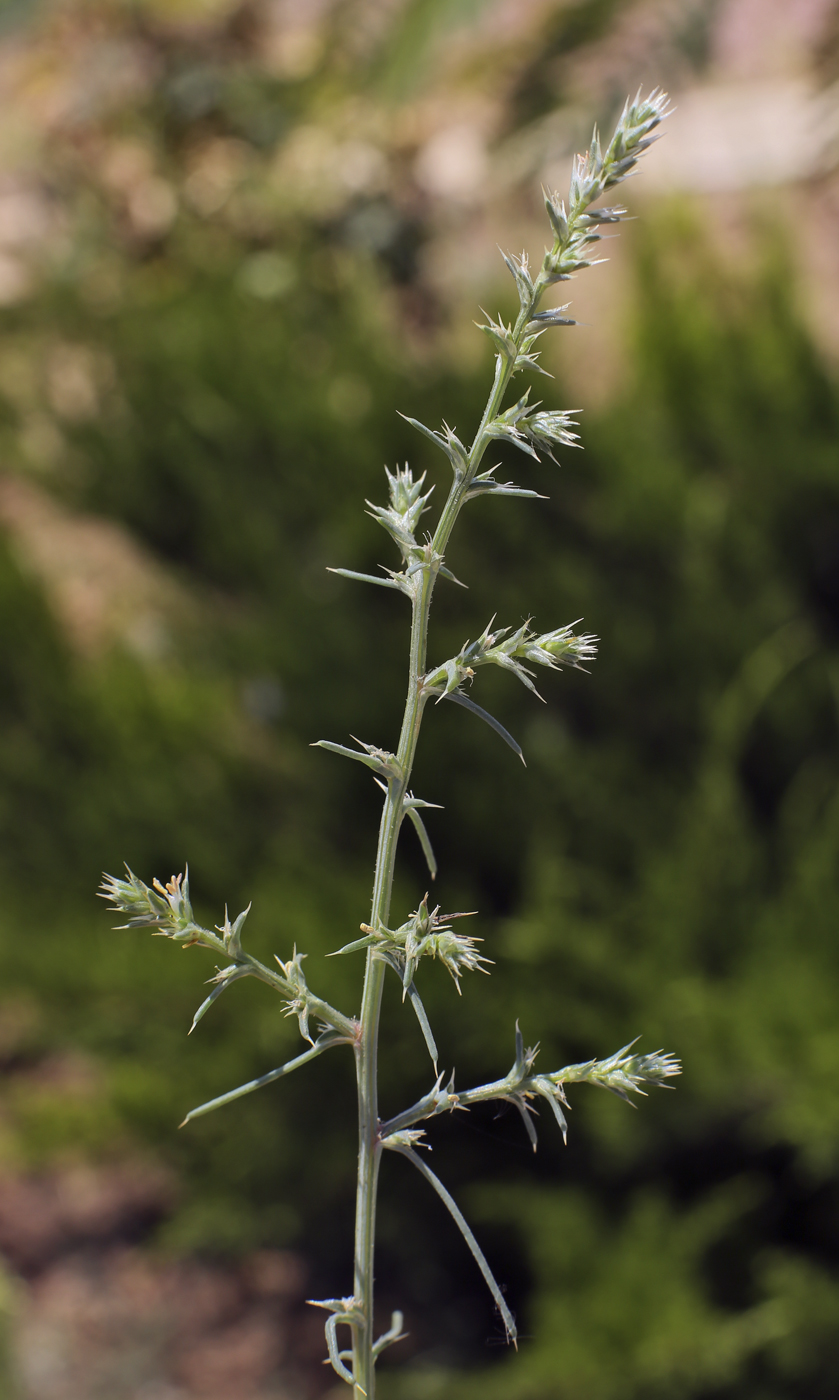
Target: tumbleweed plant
(426, 933)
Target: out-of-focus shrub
(189, 373)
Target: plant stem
(367, 1043)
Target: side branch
(622, 1073)
(167, 911)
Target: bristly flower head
(575, 226)
(596, 171)
(623, 1073)
(547, 431)
(428, 933)
(405, 492)
(425, 933)
(164, 908)
(528, 429)
(407, 504)
(561, 647)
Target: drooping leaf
(226, 980)
(462, 1225)
(489, 719)
(425, 842)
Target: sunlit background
(235, 239)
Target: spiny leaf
(377, 759)
(355, 947)
(411, 801)
(370, 578)
(521, 272)
(447, 573)
(553, 1094)
(544, 319)
(519, 1048)
(526, 1117)
(486, 485)
(409, 990)
(529, 360)
(447, 441)
(224, 980)
(501, 335)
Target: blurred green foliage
(666, 866)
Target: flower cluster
(553, 649)
(622, 1073)
(407, 504)
(576, 227)
(527, 429)
(594, 173)
(425, 933)
(164, 908)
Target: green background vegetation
(666, 865)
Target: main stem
(367, 1043)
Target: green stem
(367, 1043)
(367, 1040)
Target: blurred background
(235, 238)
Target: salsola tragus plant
(166, 909)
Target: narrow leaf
(501, 336)
(216, 992)
(508, 489)
(414, 997)
(324, 1042)
(447, 573)
(454, 451)
(531, 361)
(331, 1330)
(419, 827)
(526, 1118)
(483, 487)
(425, 1025)
(524, 285)
(507, 432)
(554, 1103)
(543, 319)
(354, 947)
(475, 1248)
(371, 760)
(487, 718)
(367, 578)
(394, 1335)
